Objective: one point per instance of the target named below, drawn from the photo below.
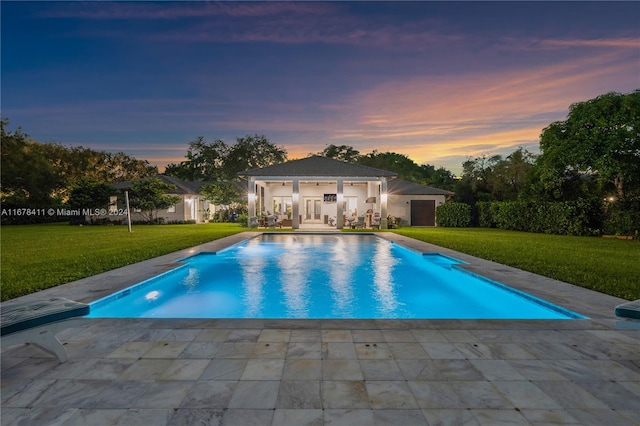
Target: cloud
(624, 43)
(171, 10)
(333, 30)
(435, 117)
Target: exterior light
(383, 197)
(152, 295)
(295, 196)
(252, 197)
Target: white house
(325, 192)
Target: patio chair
(376, 221)
(359, 222)
(38, 323)
(272, 222)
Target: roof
(403, 187)
(317, 166)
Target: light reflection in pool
(322, 276)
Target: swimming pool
(323, 276)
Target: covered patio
(318, 191)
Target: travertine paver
(240, 386)
(349, 372)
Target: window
(350, 207)
(113, 203)
(171, 209)
(282, 205)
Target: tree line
(587, 173)
(594, 154)
(45, 175)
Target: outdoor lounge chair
(38, 323)
(359, 223)
(629, 310)
(629, 314)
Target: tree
(342, 153)
(73, 163)
(599, 139)
(149, 196)
(88, 193)
(41, 175)
(495, 178)
(399, 163)
(218, 162)
(251, 152)
(473, 186)
(440, 177)
(222, 193)
(122, 167)
(27, 179)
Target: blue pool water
(322, 276)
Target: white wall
(400, 205)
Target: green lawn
(607, 265)
(36, 257)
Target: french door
(312, 210)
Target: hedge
(581, 217)
(453, 215)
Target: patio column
(251, 190)
(339, 204)
(383, 204)
(295, 205)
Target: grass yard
(36, 257)
(607, 265)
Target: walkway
(338, 372)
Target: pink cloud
(435, 117)
(624, 43)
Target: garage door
(423, 213)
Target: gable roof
(403, 187)
(320, 167)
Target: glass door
(312, 210)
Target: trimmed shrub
(485, 219)
(580, 217)
(453, 215)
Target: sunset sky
(436, 81)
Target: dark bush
(623, 218)
(580, 217)
(453, 215)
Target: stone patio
(338, 372)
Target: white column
(339, 204)
(295, 205)
(251, 190)
(383, 204)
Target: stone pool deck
(338, 372)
